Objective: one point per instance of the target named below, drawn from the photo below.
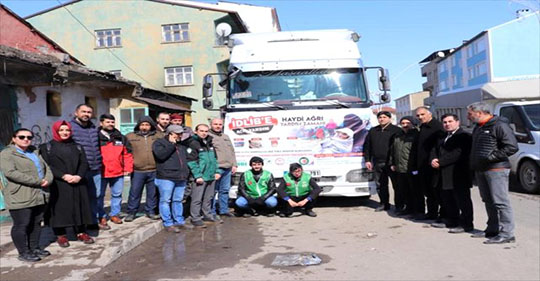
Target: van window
(513, 116)
(533, 113)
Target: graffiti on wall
(41, 136)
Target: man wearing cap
(227, 164)
(144, 168)
(172, 173)
(178, 119)
(203, 164)
(401, 160)
(297, 190)
(376, 149)
(256, 189)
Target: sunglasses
(25, 137)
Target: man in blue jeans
(255, 190)
(172, 173)
(493, 141)
(144, 168)
(227, 164)
(85, 134)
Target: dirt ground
(353, 242)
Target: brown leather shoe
(85, 238)
(62, 241)
(116, 219)
(103, 224)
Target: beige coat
(224, 150)
(23, 189)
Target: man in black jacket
(376, 149)
(493, 141)
(450, 158)
(430, 131)
(255, 190)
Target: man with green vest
(297, 190)
(255, 190)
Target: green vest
(297, 189)
(256, 189)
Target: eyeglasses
(25, 137)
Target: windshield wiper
(271, 105)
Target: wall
(140, 23)
(32, 108)
(515, 49)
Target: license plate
(315, 173)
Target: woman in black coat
(68, 204)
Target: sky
(395, 34)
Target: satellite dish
(440, 54)
(223, 29)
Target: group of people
(63, 182)
(432, 167)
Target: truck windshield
(312, 84)
(533, 112)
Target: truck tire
(529, 174)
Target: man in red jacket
(117, 163)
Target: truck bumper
(333, 189)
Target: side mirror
(384, 80)
(208, 103)
(385, 98)
(208, 84)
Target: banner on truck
(321, 140)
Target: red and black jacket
(116, 153)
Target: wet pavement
(189, 254)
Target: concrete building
(167, 45)
(406, 104)
(502, 62)
(41, 83)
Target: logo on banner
(252, 124)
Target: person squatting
(63, 182)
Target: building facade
(406, 105)
(502, 62)
(167, 46)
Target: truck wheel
(529, 174)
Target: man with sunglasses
(85, 134)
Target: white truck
(300, 97)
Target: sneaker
(130, 218)
(85, 238)
(30, 257)
(198, 224)
(384, 207)
(184, 226)
(227, 215)
(438, 225)
(246, 215)
(458, 229)
(62, 241)
(283, 215)
(500, 240)
(310, 213)
(172, 229)
(116, 220)
(153, 216)
(103, 224)
(210, 219)
(483, 234)
(41, 253)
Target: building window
(54, 103)
(480, 46)
(442, 67)
(108, 38)
(180, 75)
(129, 118)
(470, 51)
(455, 81)
(442, 85)
(477, 70)
(117, 73)
(92, 101)
(175, 32)
(455, 61)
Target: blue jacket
(87, 137)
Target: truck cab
(300, 97)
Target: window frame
(184, 75)
(171, 31)
(113, 40)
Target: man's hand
(173, 138)
(76, 179)
(233, 170)
(292, 203)
(435, 163)
(302, 203)
(217, 176)
(199, 181)
(126, 173)
(44, 183)
(393, 168)
(369, 166)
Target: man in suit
(450, 158)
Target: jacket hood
(145, 119)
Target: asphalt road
(354, 243)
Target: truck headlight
(359, 175)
